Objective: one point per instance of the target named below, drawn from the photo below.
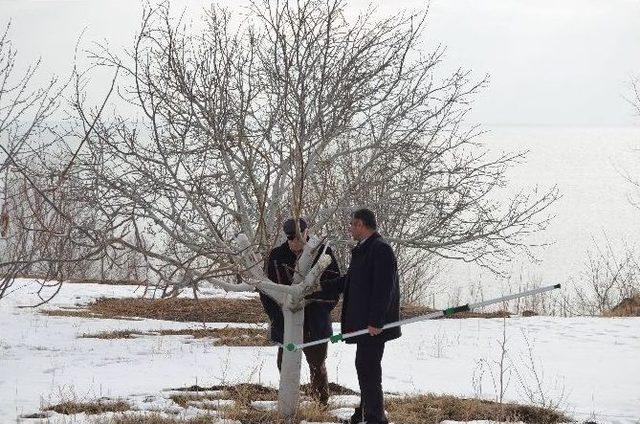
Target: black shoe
(358, 421)
(356, 418)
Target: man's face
(356, 229)
(297, 244)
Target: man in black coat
(317, 314)
(371, 299)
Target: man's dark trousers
(316, 356)
(369, 368)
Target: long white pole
(437, 314)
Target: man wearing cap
(371, 299)
(317, 319)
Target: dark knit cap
(289, 226)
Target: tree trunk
(289, 393)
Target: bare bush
(609, 275)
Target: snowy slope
(590, 366)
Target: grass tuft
(229, 336)
(433, 409)
(308, 412)
(89, 408)
(242, 394)
(157, 419)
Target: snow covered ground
(589, 366)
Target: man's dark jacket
(317, 318)
(371, 290)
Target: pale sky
(561, 63)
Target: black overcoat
(371, 293)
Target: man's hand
(373, 331)
(316, 295)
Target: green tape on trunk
(291, 347)
(336, 338)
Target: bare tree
(25, 132)
(295, 111)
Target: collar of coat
(367, 242)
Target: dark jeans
(316, 356)
(369, 368)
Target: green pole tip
(450, 311)
(336, 338)
(291, 347)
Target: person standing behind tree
(317, 314)
(371, 299)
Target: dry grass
(249, 415)
(629, 307)
(173, 309)
(90, 408)
(242, 410)
(241, 394)
(420, 409)
(243, 415)
(334, 390)
(222, 336)
(472, 314)
(432, 409)
(185, 399)
(82, 313)
(244, 394)
(406, 311)
(156, 419)
(115, 334)
(213, 310)
(410, 311)
(35, 415)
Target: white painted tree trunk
(305, 280)
(292, 301)
(289, 393)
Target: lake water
(588, 166)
